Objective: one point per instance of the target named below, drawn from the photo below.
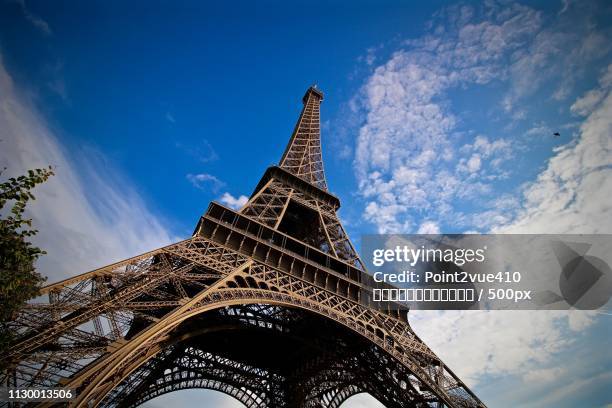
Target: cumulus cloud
(488, 148)
(203, 181)
(429, 227)
(233, 202)
(407, 160)
(539, 130)
(86, 217)
(473, 164)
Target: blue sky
(437, 117)
(172, 84)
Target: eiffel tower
(266, 304)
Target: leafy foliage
(19, 280)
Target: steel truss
(258, 304)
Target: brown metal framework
(267, 304)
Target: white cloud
(584, 105)
(580, 319)
(406, 159)
(233, 202)
(483, 145)
(429, 227)
(606, 78)
(370, 56)
(572, 194)
(407, 163)
(499, 342)
(85, 217)
(202, 180)
(539, 130)
(474, 163)
(409, 168)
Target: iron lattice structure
(267, 304)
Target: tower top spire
(315, 91)
(303, 156)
